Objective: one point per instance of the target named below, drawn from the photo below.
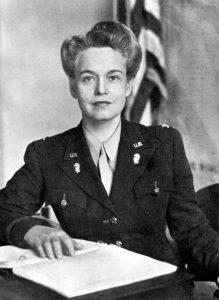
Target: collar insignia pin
(77, 168)
(138, 144)
(73, 154)
(136, 158)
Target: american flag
(144, 18)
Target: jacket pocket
(152, 196)
(153, 185)
(65, 198)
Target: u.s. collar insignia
(138, 144)
(73, 154)
(77, 168)
(136, 158)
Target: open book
(96, 267)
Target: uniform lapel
(79, 166)
(135, 152)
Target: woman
(107, 179)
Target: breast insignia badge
(136, 158)
(73, 154)
(77, 168)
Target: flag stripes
(153, 63)
(154, 46)
(151, 23)
(143, 16)
(153, 7)
(141, 97)
(122, 11)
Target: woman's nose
(101, 87)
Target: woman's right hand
(51, 242)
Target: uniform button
(118, 243)
(113, 221)
(157, 190)
(64, 202)
(100, 242)
(156, 187)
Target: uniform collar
(135, 139)
(111, 145)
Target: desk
(170, 287)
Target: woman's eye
(114, 78)
(88, 79)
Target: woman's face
(100, 83)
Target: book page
(11, 256)
(106, 267)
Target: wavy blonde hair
(103, 34)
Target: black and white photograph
(109, 149)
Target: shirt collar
(111, 145)
(93, 143)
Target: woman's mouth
(101, 103)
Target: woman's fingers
(51, 242)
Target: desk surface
(174, 286)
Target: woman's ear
(72, 88)
(129, 86)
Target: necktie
(106, 173)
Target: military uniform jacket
(149, 189)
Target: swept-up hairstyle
(104, 34)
